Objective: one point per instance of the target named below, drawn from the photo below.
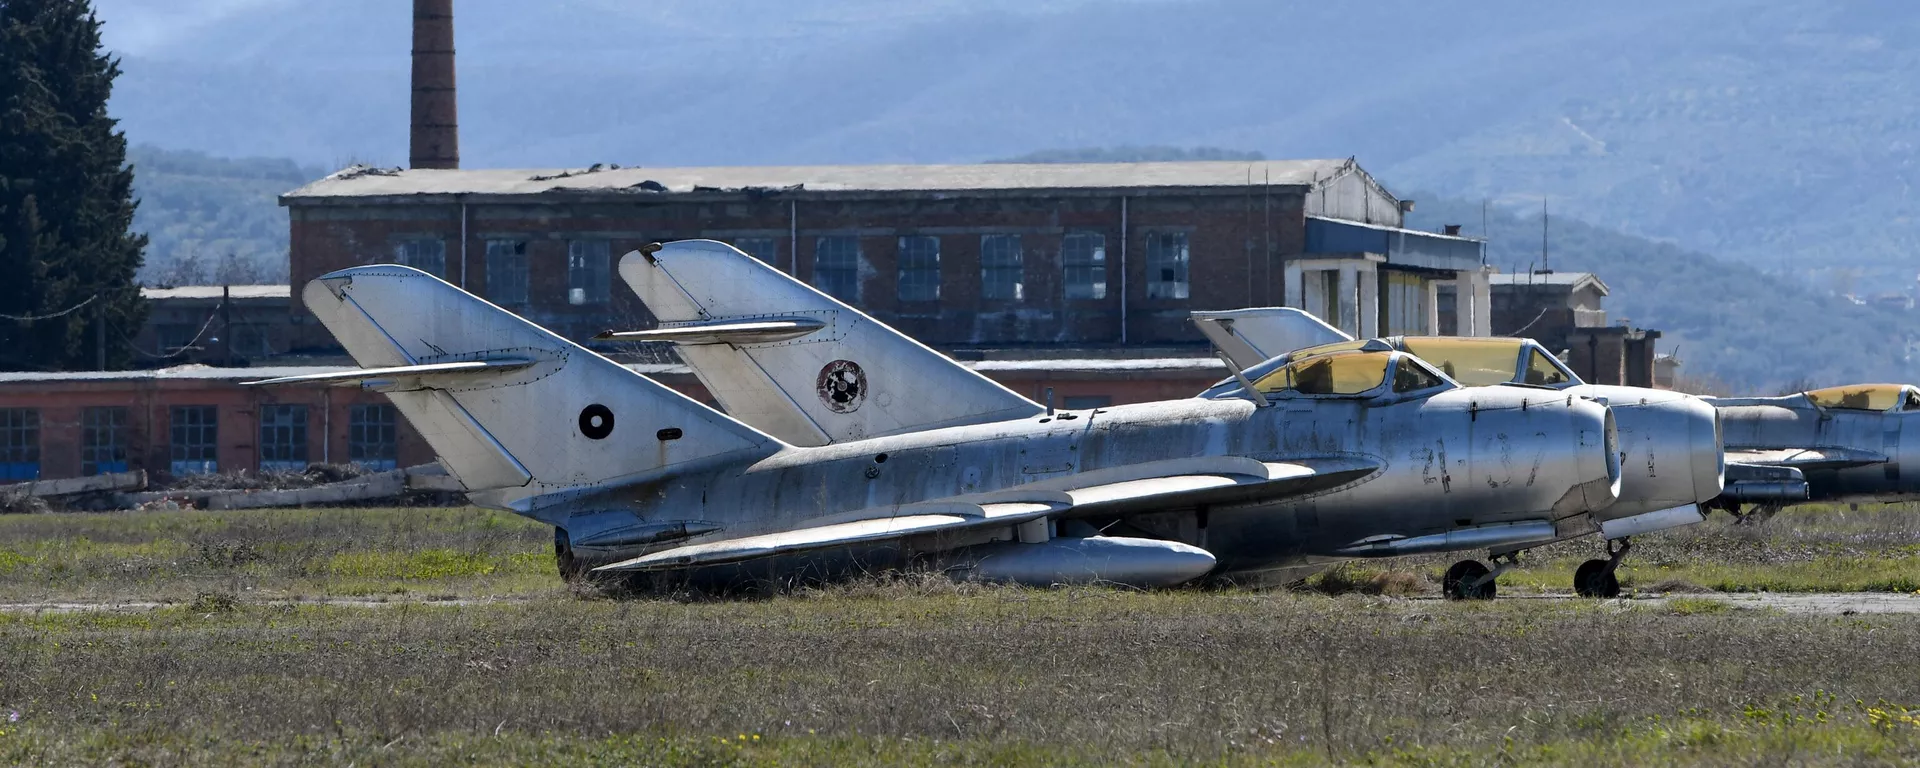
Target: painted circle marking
(596, 421)
(842, 386)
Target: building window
(1085, 402)
(283, 438)
(1001, 271)
(372, 439)
(194, 440)
(766, 249)
(103, 440)
(251, 339)
(587, 265)
(507, 272)
(920, 268)
(174, 338)
(1167, 265)
(1083, 262)
(836, 266)
(19, 444)
(429, 256)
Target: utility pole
(1545, 265)
(100, 337)
(226, 323)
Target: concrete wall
(1236, 244)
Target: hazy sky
(139, 26)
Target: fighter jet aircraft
(1846, 441)
(636, 476)
(1670, 441)
(716, 304)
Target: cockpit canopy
(1358, 369)
(1868, 397)
(1475, 361)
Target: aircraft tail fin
(791, 360)
(541, 415)
(1253, 336)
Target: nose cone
(1670, 444)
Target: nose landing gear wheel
(1595, 578)
(1468, 580)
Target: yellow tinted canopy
(1335, 373)
(1474, 362)
(1867, 397)
(1484, 362)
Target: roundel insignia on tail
(842, 386)
(596, 421)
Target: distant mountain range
(1777, 132)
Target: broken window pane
(19, 444)
(103, 440)
(836, 266)
(1083, 263)
(194, 439)
(507, 272)
(372, 439)
(587, 268)
(283, 438)
(1167, 265)
(1002, 273)
(919, 268)
(429, 256)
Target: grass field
(923, 670)
(941, 673)
(436, 552)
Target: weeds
(976, 674)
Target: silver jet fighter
(718, 305)
(635, 473)
(1670, 442)
(1847, 442)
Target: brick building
(1068, 256)
(196, 418)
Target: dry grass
(925, 673)
(177, 554)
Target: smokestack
(435, 139)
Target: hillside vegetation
(212, 220)
(1753, 331)
(1780, 133)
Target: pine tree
(66, 193)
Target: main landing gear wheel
(1468, 580)
(570, 568)
(1600, 578)
(1595, 578)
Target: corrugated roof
(362, 182)
(213, 292)
(1569, 279)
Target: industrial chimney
(435, 139)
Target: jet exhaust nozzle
(1107, 559)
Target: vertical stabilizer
(1254, 336)
(840, 375)
(558, 418)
